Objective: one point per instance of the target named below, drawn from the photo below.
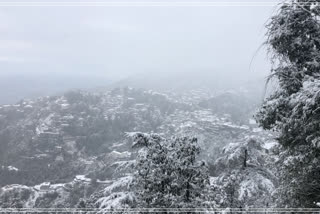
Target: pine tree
(168, 172)
(243, 177)
(293, 110)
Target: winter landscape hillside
(167, 116)
(72, 150)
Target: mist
(47, 50)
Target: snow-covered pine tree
(294, 108)
(153, 176)
(243, 177)
(168, 172)
(191, 176)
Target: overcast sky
(62, 47)
(120, 41)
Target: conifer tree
(168, 172)
(293, 110)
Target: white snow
(68, 117)
(82, 178)
(12, 168)
(64, 105)
(269, 145)
(252, 121)
(44, 124)
(120, 183)
(115, 200)
(257, 130)
(252, 185)
(116, 154)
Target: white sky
(114, 42)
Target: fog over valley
(47, 50)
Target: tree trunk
(245, 158)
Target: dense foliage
(293, 109)
(168, 172)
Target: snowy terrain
(62, 151)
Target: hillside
(56, 150)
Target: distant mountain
(18, 85)
(14, 87)
(181, 81)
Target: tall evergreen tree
(243, 176)
(168, 172)
(293, 109)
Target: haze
(46, 50)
